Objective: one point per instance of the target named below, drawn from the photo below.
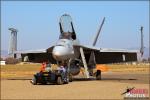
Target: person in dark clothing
(63, 67)
(39, 74)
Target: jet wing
(104, 56)
(31, 51)
(37, 56)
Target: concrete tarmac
(112, 85)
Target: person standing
(42, 69)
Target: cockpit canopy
(66, 27)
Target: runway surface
(112, 85)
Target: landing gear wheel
(98, 75)
(59, 80)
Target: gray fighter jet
(68, 49)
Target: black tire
(34, 81)
(70, 78)
(66, 81)
(44, 82)
(98, 75)
(59, 80)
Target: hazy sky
(37, 22)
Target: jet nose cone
(60, 53)
(56, 56)
(56, 53)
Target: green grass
(129, 68)
(36, 67)
(25, 67)
(27, 70)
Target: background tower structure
(142, 43)
(13, 42)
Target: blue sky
(37, 22)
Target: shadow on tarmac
(79, 79)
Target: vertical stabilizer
(73, 32)
(61, 30)
(96, 36)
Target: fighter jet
(68, 49)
